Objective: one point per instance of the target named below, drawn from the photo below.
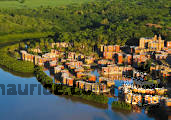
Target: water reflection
(168, 59)
(79, 100)
(23, 75)
(53, 107)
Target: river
(34, 107)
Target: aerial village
(115, 63)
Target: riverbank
(22, 75)
(14, 64)
(59, 89)
(52, 106)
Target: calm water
(34, 107)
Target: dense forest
(93, 23)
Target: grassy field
(17, 37)
(38, 3)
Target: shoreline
(14, 65)
(57, 89)
(19, 74)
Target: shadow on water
(23, 75)
(157, 112)
(80, 100)
(152, 112)
(76, 99)
(126, 112)
(72, 98)
(168, 59)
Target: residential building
(114, 69)
(151, 44)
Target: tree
(21, 1)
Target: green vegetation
(91, 24)
(37, 3)
(18, 37)
(41, 76)
(121, 105)
(145, 67)
(153, 81)
(13, 63)
(91, 96)
(85, 26)
(60, 89)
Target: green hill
(38, 3)
(93, 22)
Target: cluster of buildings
(73, 73)
(49, 58)
(117, 70)
(150, 44)
(115, 63)
(139, 96)
(149, 49)
(155, 45)
(94, 87)
(113, 52)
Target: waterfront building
(95, 87)
(114, 69)
(80, 84)
(136, 99)
(103, 87)
(128, 98)
(88, 86)
(38, 60)
(64, 77)
(70, 81)
(148, 99)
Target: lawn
(38, 3)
